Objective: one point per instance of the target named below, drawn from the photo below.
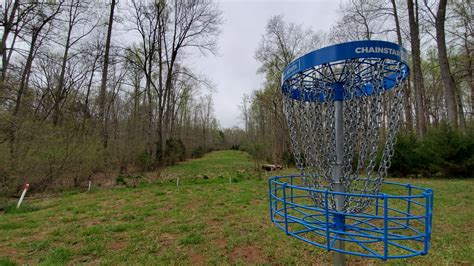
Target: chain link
(366, 126)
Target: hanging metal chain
(311, 122)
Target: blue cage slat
(342, 104)
(412, 228)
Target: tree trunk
(406, 95)
(446, 75)
(166, 100)
(417, 74)
(151, 150)
(462, 119)
(7, 27)
(471, 83)
(105, 69)
(60, 91)
(87, 113)
(25, 76)
(470, 74)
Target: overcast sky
(234, 70)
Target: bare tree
(147, 55)
(416, 60)
(206, 107)
(245, 111)
(8, 22)
(94, 51)
(194, 24)
(39, 20)
(361, 20)
(447, 77)
(77, 15)
(105, 68)
(463, 30)
(145, 97)
(281, 43)
(406, 95)
(438, 21)
(166, 31)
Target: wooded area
(78, 98)
(439, 38)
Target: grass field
(205, 220)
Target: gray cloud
(234, 70)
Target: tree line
(94, 86)
(91, 86)
(439, 38)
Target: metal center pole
(339, 258)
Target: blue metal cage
(392, 227)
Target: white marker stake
(89, 188)
(230, 180)
(22, 195)
(177, 181)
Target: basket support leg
(339, 258)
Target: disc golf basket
(342, 105)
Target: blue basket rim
(425, 191)
(343, 51)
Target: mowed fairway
(205, 220)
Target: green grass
(204, 220)
(220, 164)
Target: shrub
(448, 152)
(134, 180)
(198, 152)
(288, 158)
(444, 151)
(7, 186)
(405, 159)
(145, 161)
(120, 180)
(130, 180)
(3, 202)
(175, 151)
(49, 157)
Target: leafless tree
(281, 43)
(76, 15)
(105, 68)
(9, 15)
(462, 30)
(447, 77)
(413, 16)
